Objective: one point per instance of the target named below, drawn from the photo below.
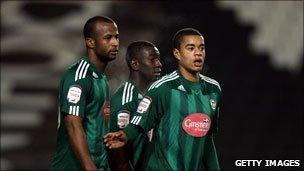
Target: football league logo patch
(144, 105)
(74, 94)
(123, 119)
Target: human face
(191, 54)
(149, 63)
(106, 41)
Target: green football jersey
(83, 92)
(124, 103)
(184, 116)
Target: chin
(156, 78)
(111, 57)
(196, 69)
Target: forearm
(120, 159)
(210, 158)
(79, 145)
(131, 131)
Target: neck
(190, 76)
(100, 65)
(140, 81)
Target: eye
(202, 48)
(153, 60)
(190, 48)
(107, 37)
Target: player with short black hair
(182, 108)
(84, 101)
(177, 38)
(143, 59)
(89, 27)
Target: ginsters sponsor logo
(196, 124)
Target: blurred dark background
(254, 50)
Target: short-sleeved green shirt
(83, 92)
(183, 114)
(124, 103)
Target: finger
(108, 135)
(106, 140)
(112, 145)
(115, 144)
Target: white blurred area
(62, 40)
(278, 29)
(20, 112)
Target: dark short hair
(135, 48)
(181, 33)
(89, 27)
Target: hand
(115, 139)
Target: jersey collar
(189, 86)
(136, 88)
(93, 68)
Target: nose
(158, 63)
(198, 52)
(115, 41)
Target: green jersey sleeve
(216, 94)
(149, 111)
(123, 105)
(120, 118)
(73, 95)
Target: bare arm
(77, 139)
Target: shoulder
(165, 81)
(77, 75)
(125, 93)
(78, 71)
(211, 82)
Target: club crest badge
(213, 104)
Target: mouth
(157, 72)
(113, 52)
(198, 62)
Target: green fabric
(210, 158)
(165, 108)
(90, 106)
(124, 103)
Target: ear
(135, 64)
(90, 42)
(176, 53)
